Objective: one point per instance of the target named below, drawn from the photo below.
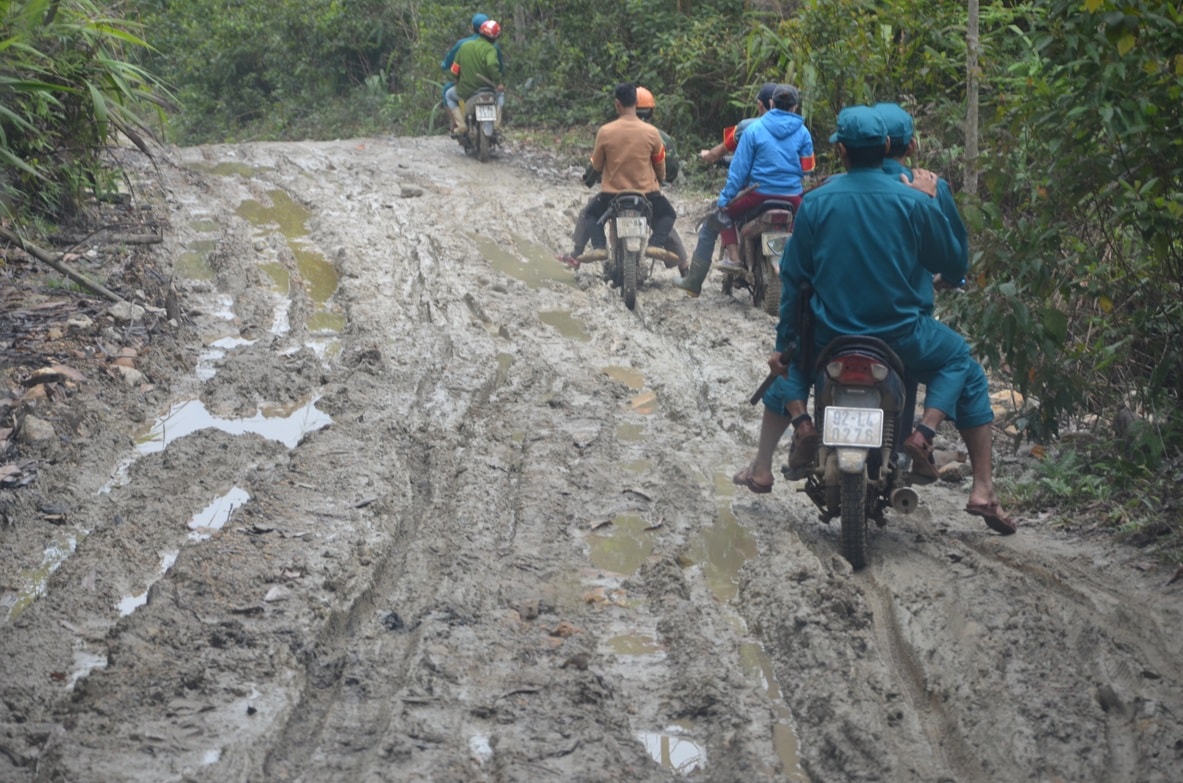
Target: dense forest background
(1074, 196)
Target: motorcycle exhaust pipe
(904, 500)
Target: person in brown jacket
(628, 155)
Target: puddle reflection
(644, 403)
(757, 666)
(129, 603)
(635, 644)
(479, 746)
(36, 580)
(524, 260)
(193, 263)
(215, 352)
(673, 749)
(229, 168)
(626, 375)
(284, 424)
(214, 516)
(721, 550)
(319, 275)
(85, 662)
(568, 326)
(623, 546)
(630, 433)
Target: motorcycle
(865, 405)
(628, 234)
(763, 234)
(626, 224)
(482, 116)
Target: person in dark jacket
(732, 133)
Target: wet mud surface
(400, 497)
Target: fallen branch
(57, 264)
(115, 239)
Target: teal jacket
(894, 168)
(869, 246)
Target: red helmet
(490, 29)
(645, 99)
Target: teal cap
(860, 126)
(898, 122)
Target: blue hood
(782, 124)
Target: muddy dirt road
(400, 498)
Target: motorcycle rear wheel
(765, 277)
(482, 146)
(770, 293)
(631, 262)
(854, 518)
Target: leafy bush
(1080, 243)
(66, 90)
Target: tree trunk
(972, 77)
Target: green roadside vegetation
(1074, 199)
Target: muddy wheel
(728, 284)
(631, 262)
(770, 288)
(483, 142)
(854, 518)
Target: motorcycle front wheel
(854, 518)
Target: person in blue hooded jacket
(773, 154)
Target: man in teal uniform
(862, 226)
(901, 131)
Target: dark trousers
(661, 221)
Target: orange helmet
(645, 104)
(490, 29)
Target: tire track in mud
(949, 749)
(427, 505)
(1095, 621)
(303, 732)
(1050, 619)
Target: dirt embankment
(399, 497)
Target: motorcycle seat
(630, 199)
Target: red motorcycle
(763, 234)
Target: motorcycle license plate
(631, 227)
(853, 427)
(774, 242)
(486, 112)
